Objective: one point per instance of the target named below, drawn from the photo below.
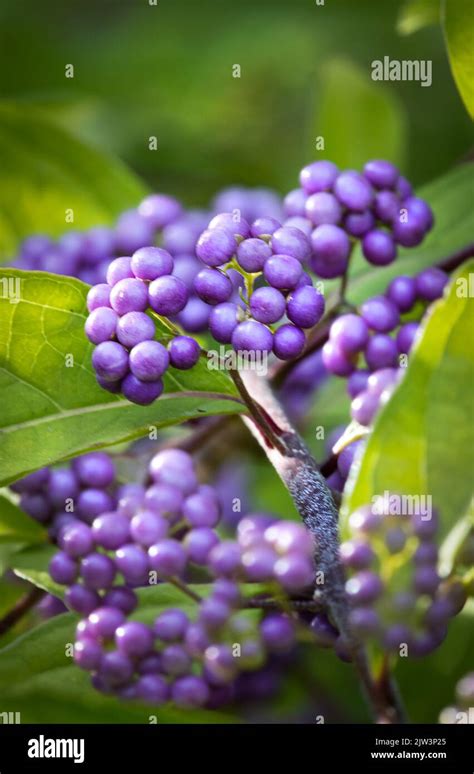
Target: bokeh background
(166, 71)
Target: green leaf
(46, 171)
(423, 438)
(52, 407)
(38, 680)
(32, 564)
(416, 14)
(451, 200)
(16, 526)
(377, 126)
(458, 24)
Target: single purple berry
(305, 306)
(148, 263)
(379, 247)
(168, 295)
(142, 393)
(110, 361)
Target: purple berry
(184, 352)
(98, 296)
(134, 639)
(336, 360)
(430, 283)
(97, 571)
(331, 250)
(142, 393)
(381, 173)
(278, 632)
(252, 254)
(223, 321)
(110, 361)
(129, 295)
(353, 191)
(216, 246)
(406, 336)
(379, 247)
(381, 352)
(111, 530)
(63, 569)
(213, 286)
(282, 271)
(167, 558)
(252, 336)
(101, 324)
(318, 176)
(134, 327)
(149, 361)
(402, 291)
(305, 306)
(356, 554)
(288, 342)
(349, 333)
(190, 692)
(267, 305)
(171, 625)
(364, 587)
(357, 224)
(95, 469)
(323, 208)
(288, 240)
(148, 263)
(76, 539)
(167, 295)
(294, 203)
(119, 269)
(380, 314)
(132, 562)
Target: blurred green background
(143, 70)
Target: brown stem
(268, 428)
(301, 605)
(20, 609)
(314, 502)
(456, 259)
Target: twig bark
(312, 497)
(23, 606)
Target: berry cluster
(336, 208)
(127, 358)
(79, 491)
(161, 533)
(267, 259)
(462, 711)
(367, 334)
(87, 254)
(397, 596)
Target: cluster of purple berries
(336, 208)
(253, 278)
(161, 533)
(79, 491)
(86, 255)
(397, 596)
(367, 335)
(462, 712)
(127, 358)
